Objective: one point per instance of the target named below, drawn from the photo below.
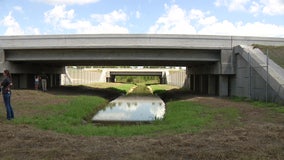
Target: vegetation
(261, 104)
(74, 117)
(162, 87)
(70, 118)
(120, 87)
(137, 79)
(276, 53)
(230, 129)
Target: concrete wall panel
(252, 79)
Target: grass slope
(276, 53)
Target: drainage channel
(134, 108)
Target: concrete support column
(21, 81)
(191, 82)
(227, 66)
(205, 79)
(223, 85)
(200, 86)
(108, 76)
(212, 85)
(187, 81)
(195, 83)
(163, 79)
(50, 81)
(2, 60)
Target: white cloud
(236, 5)
(255, 8)
(260, 29)
(113, 17)
(269, 7)
(137, 14)
(58, 14)
(18, 8)
(200, 16)
(32, 31)
(63, 20)
(218, 28)
(175, 21)
(13, 27)
(67, 2)
(233, 5)
(198, 22)
(273, 7)
(241, 29)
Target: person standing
(44, 82)
(36, 82)
(6, 92)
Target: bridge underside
(113, 57)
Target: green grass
(180, 117)
(162, 87)
(120, 87)
(272, 106)
(125, 87)
(276, 53)
(260, 104)
(141, 89)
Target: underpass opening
(53, 62)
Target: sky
(262, 18)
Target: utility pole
(267, 75)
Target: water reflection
(132, 108)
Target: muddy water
(132, 108)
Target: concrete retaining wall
(75, 76)
(257, 77)
(177, 78)
(80, 76)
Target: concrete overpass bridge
(213, 64)
(161, 73)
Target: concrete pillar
(197, 83)
(187, 82)
(227, 66)
(164, 78)
(212, 85)
(50, 81)
(2, 60)
(191, 82)
(108, 78)
(223, 85)
(200, 84)
(23, 81)
(205, 79)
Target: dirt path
(259, 136)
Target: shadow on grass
(107, 93)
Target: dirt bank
(260, 135)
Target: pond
(132, 108)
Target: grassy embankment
(274, 107)
(276, 53)
(72, 116)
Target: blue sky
(263, 18)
